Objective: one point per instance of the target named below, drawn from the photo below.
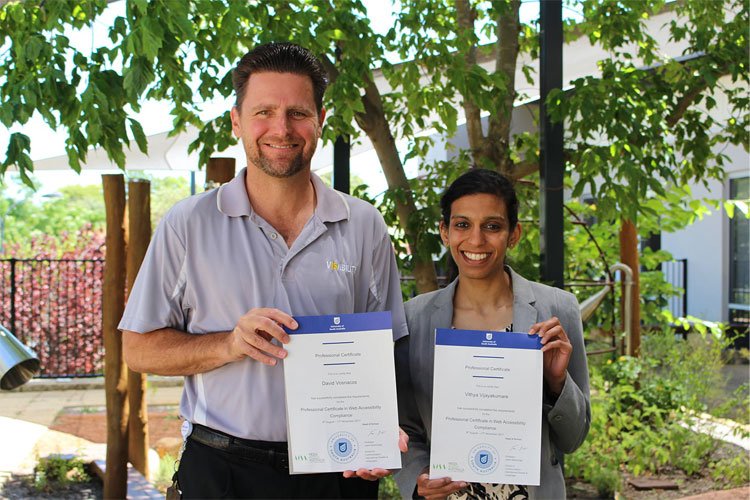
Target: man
(227, 269)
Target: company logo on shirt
(332, 265)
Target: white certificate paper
(341, 394)
(487, 407)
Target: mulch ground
(91, 423)
(20, 487)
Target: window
(739, 256)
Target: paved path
(41, 407)
(26, 415)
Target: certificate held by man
(487, 407)
(341, 394)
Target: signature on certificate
(519, 447)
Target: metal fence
(54, 306)
(676, 274)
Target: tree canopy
(52, 225)
(644, 124)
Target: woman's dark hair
(481, 181)
(280, 58)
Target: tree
(57, 220)
(180, 50)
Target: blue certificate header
(336, 323)
(483, 338)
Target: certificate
(487, 407)
(340, 384)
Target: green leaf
(137, 77)
(138, 135)
(729, 207)
(151, 34)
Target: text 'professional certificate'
(487, 407)
(341, 394)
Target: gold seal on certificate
(340, 385)
(487, 407)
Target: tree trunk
(492, 150)
(498, 135)
(115, 371)
(374, 124)
(629, 256)
(465, 17)
(139, 235)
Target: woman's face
(478, 235)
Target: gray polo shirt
(212, 259)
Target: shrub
(57, 471)
(57, 302)
(639, 409)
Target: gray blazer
(565, 421)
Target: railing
(54, 307)
(676, 274)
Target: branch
(522, 169)
(684, 103)
(331, 69)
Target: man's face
(278, 123)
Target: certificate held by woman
(487, 406)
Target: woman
(479, 225)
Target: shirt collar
(331, 206)
(232, 200)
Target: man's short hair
(280, 57)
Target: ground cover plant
(55, 471)
(639, 410)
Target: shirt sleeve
(156, 300)
(385, 285)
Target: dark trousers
(206, 472)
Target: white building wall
(705, 245)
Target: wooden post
(629, 256)
(115, 372)
(219, 171)
(139, 235)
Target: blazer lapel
(524, 312)
(442, 316)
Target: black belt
(273, 454)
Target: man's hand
(556, 349)
(433, 489)
(375, 474)
(254, 332)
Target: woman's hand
(556, 349)
(434, 489)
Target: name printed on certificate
(340, 384)
(487, 407)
